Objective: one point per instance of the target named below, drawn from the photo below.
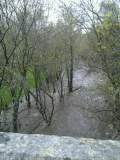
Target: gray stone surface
(42, 147)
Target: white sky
(54, 4)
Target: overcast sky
(54, 4)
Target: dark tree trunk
(117, 102)
(15, 116)
(71, 70)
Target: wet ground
(83, 113)
(80, 114)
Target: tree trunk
(117, 102)
(15, 116)
(71, 70)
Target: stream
(79, 115)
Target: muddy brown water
(79, 115)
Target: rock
(43, 147)
(4, 138)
